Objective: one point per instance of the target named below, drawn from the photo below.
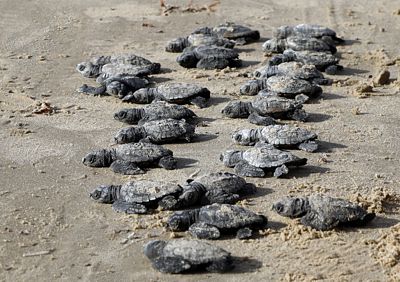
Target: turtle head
(187, 59)
(141, 96)
(129, 135)
(117, 88)
(98, 158)
(181, 220)
(230, 158)
(87, 69)
(291, 206)
(131, 116)
(236, 109)
(106, 194)
(245, 136)
(153, 249)
(273, 45)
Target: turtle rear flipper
(127, 168)
(281, 170)
(333, 69)
(361, 221)
(199, 102)
(245, 169)
(260, 120)
(203, 230)
(244, 233)
(220, 265)
(322, 81)
(129, 208)
(168, 203)
(319, 221)
(309, 146)
(299, 115)
(168, 162)
(90, 90)
(171, 264)
(220, 197)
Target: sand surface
(49, 228)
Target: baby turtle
(135, 197)
(239, 33)
(282, 136)
(130, 159)
(156, 131)
(94, 67)
(257, 161)
(197, 39)
(281, 85)
(210, 221)
(219, 187)
(155, 111)
(264, 110)
(323, 212)
(208, 57)
(176, 93)
(293, 69)
(323, 61)
(183, 255)
(307, 30)
(118, 86)
(299, 43)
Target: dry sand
(50, 229)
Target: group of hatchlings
(281, 87)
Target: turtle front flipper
(244, 233)
(129, 208)
(309, 146)
(90, 90)
(319, 221)
(203, 230)
(281, 170)
(260, 120)
(171, 264)
(168, 203)
(168, 162)
(199, 102)
(245, 169)
(126, 168)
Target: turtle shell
(110, 70)
(233, 31)
(313, 30)
(222, 180)
(268, 156)
(298, 70)
(161, 110)
(130, 59)
(197, 39)
(300, 43)
(270, 104)
(288, 85)
(141, 152)
(214, 51)
(286, 135)
(145, 191)
(168, 129)
(320, 59)
(175, 92)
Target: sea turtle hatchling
(135, 197)
(264, 110)
(260, 159)
(184, 255)
(176, 93)
(281, 136)
(323, 61)
(196, 39)
(130, 159)
(210, 221)
(156, 131)
(239, 33)
(217, 187)
(299, 43)
(323, 212)
(308, 30)
(281, 85)
(293, 69)
(94, 67)
(208, 57)
(155, 111)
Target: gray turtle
(118, 86)
(293, 69)
(323, 61)
(239, 33)
(210, 221)
(260, 159)
(94, 67)
(281, 85)
(264, 110)
(183, 255)
(282, 136)
(208, 57)
(155, 111)
(130, 159)
(299, 43)
(176, 93)
(308, 30)
(156, 131)
(323, 212)
(196, 39)
(135, 196)
(219, 187)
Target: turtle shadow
(260, 192)
(203, 121)
(276, 225)
(249, 63)
(349, 42)
(218, 100)
(316, 117)
(327, 147)
(245, 264)
(185, 163)
(204, 137)
(381, 222)
(351, 71)
(331, 96)
(166, 70)
(305, 171)
(244, 50)
(159, 79)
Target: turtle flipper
(171, 264)
(129, 208)
(90, 90)
(203, 230)
(244, 233)
(319, 221)
(281, 170)
(260, 120)
(127, 168)
(220, 197)
(168, 203)
(220, 265)
(199, 102)
(168, 162)
(299, 115)
(245, 169)
(308, 146)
